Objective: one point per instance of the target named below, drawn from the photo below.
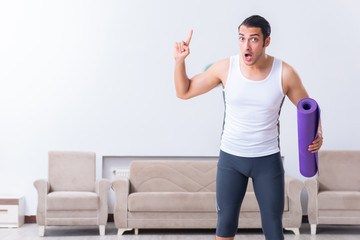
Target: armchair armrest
(312, 187)
(121, 186)
(43, 187)
(294, 187)
(102, 187)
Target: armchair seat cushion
(71, 200)
(339, 200)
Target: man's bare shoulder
(220, 68)
(221, 64)
(289, 74)
(288, 71)
(290, 77)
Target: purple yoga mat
(308, 116)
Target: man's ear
(267, 41)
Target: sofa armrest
(294, 187)
(312, 187)
(121, 186)
(43, 187)
(102, 187)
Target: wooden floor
(30, 231)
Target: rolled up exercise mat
(308, 119)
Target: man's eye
(254, 39)
(241, 38)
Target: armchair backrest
(72, 171)
(339, 170)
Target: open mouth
(248, 56)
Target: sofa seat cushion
(184, 202)
(172, 202)
(338, 200)
(61, 200)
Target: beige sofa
(334, 194)
(71, 195)
(181, 194)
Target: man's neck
(259, 70)
(260, 65)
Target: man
(254, 86)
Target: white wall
(98, 76)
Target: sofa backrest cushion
(339, 170)
(174, 176)
(72, 171)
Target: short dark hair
(257, 21)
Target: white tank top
(252, 109)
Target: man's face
(251, 43)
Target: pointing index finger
(189, 38)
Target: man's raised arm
(201, 83)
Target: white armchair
(71, 195)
